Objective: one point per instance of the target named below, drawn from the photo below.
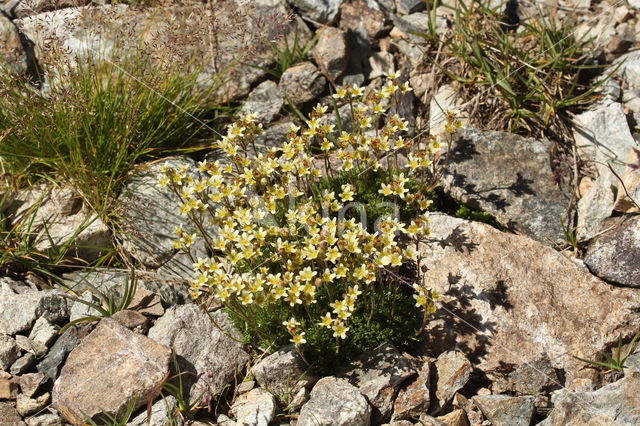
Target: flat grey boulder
(615, 255)
(504, 291)
(511, 178)
(112, 368)
(214, 355)
(335, 402)
(152, 214)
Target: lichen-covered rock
(301, 83)
(615, 255)
(207, 351)
(335, 402)
(112, 368)
(522, 197)
(534, 376)
(504, 410)
(615, 404)
(378, 374)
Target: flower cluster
(276, 237)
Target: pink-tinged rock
(109, 370)
(509, 299)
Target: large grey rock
(503, 291)
(504, 410)
(151, 241)
(322, 11)
(283, 372)
(215, 355)
(58, 216)
(522, 197)
(19, 311)
(24, 8)
(453, 371)
(335, 402)
(332, 50)
(254, 408)
(23, 363)
(265, 101)
(177, 37)
(111, 281)
(603, 138)
(9, 352)
(378, 374)
(111, 369)
(615, 255)
(615, 404)
(301, 83)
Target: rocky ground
(518, 307)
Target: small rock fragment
(27, 406)
(9, 415)
(504, 410)
(332, 50)
(413, 399)
(265, 101)
(255, 408)
(282, 372)
(335, 402)
(31, 346)
(301, 83)
(23, 363)
(453, 371)
(9, 352)
(133, 320)
(44, 331)
(378, 374)
(455, 418)
(8, 389)
(31, 383)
